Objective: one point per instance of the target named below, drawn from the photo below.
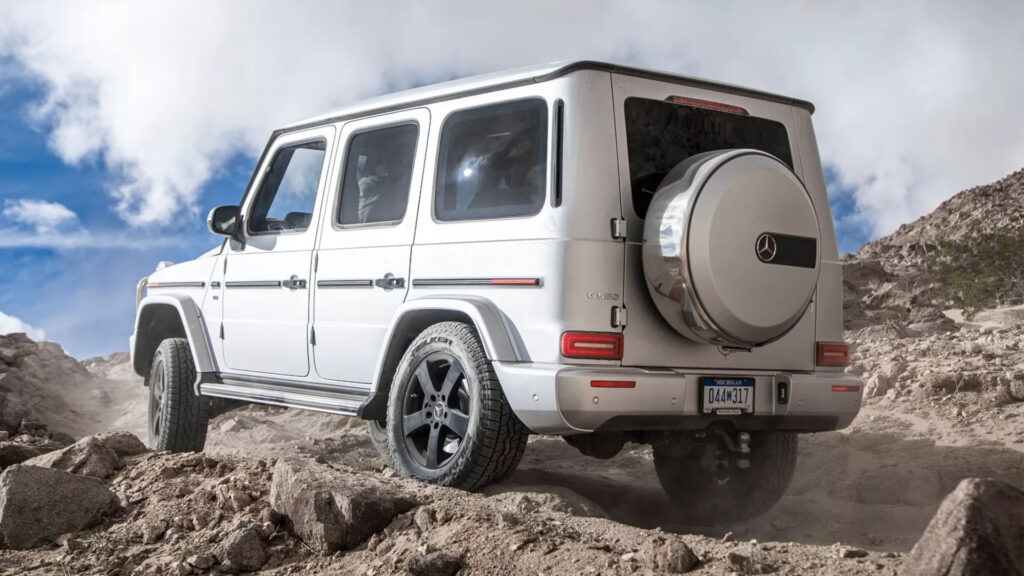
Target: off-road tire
(495, 439)
(699, 497)
(183, 414)
(378, 432)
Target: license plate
(727, 396)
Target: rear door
(658, 125)
(362, 270)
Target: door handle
(293, 283)
(389, 282)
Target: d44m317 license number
(727, 396)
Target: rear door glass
(661, 134)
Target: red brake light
(612, 384)
(833, 354)
(592, 345)
(710, 105)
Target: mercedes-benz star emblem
(765, 247)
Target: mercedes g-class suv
(587, 250)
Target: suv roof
(518, 77)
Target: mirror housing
(223, 220)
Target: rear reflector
(612, 384)
(833, 354)
(846, 388)
(710, 105)
(592, 345)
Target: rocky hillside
(965, 253)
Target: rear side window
(288, 193)
(378, 174)
(493, 162)
(661, 134)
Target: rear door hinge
(618, 317)
(312, 335)
(619, 228)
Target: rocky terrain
(290, 492)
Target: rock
(242, 551)
(153, 532)
(12, 411)
(39, 504)
(332, 510)
(669, 554)
(12, 453)
(4, 435)
(530, 498)
(424, 519)
(877, 385)
(88, 457)
(122, 443)
(747, 565)
(977, 530)
(850, 552)
(435, 564)
(201, 561)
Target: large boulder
(97, 456)
(39, 504)
(978, 529)
(330, 509)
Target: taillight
(592, 345)
(833, 354)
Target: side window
(492, 162)
(288, 193)
(378, 173)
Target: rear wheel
(448, 420)
(177, 416)
(708, 489)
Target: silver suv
(582, 249)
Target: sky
(123, 123)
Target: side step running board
(342, 399)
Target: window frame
(343, 164)
(546, 127)
(256, 193)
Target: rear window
(492, 162)
(661, 134)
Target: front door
(266, 291)
(366, 238)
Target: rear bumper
(558, 399)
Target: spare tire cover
(731, 248)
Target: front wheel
(177, 416)
(708, 491)
(448, 420)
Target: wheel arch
(498, 336)
(169, 316)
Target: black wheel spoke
(412, 423)
(454, 373)
(458, 423)
(432, 446)
(423, 379)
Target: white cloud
(916, 100)
(13, 324)
(44, 216)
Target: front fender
(168, 316)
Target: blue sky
(122, 123)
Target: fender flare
(191, 324)
(500, 339)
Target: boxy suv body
(581, 249)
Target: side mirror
(223, 220)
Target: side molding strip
(506, 282)
(254, 284)
(344, 283)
